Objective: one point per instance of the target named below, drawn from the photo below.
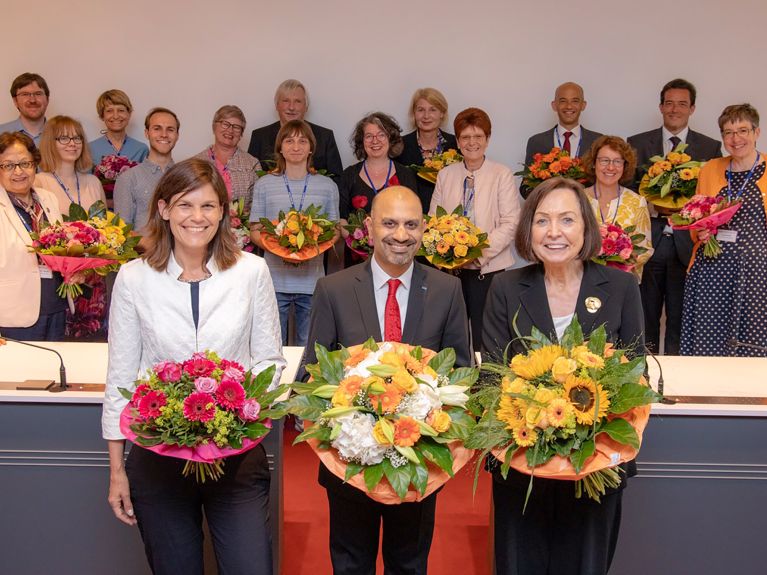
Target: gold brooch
(593, 304)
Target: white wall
(505, 56)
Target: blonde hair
(431, 95)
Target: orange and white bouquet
(388, 418)
(451, 240)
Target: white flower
(453, 395)
(419, 403)
(374, 358)
(428, 379)
(356, 441)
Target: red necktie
(566, 145)
(392, 321)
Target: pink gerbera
(139, 392)
(230, 394)
(199, 366)
(199, 407)
(149, 405)
(224, 364)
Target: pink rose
(168, 371)
(236, 222)
(205, 384)
(359, 202)
(250, 410)
(626, 253)
(234, 373)
(358, 234)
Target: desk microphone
(62, 371)
(734, 343)
(664, 400)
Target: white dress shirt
(381, 291)
(150, 321)
(575, 140)
(667, 135)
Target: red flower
(359, 202)
(168, 371)
(224, 364)
(139, 392)
(199, 407)
(230, 394)
(199, 366)
(150, 404)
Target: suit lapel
(363, 290)
(592, 298)
(535, 302)
(655, 144)
(415, 303)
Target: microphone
(734, 343)
(664, 400)
(62, 371)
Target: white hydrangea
(356, 442)
(419, 403)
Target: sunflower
(517, 385)
(509, 413)
(524, 437)
(536, 362)
(583, 394)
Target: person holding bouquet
(725, 296)
(192, 290)
(65, 164)
(30, 308)
(558, 533)
(115, 109)
(428, 113)
(238, 168)
(610, 163)
(489, 198)
(293, 185)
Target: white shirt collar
(681, 135)
(174, 269)
(380, 277)
(576, 131)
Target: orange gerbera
(357, 357)
(406, 432)
(351, 385)
(387, 401)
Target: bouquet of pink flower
(706, 213)
(358, 240)
(202, 410)
(109, 168)
(240, 225)
(620, 247)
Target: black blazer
(522, 293)
(326, 156)
(351, 184)
(344, 312)
(411, 154)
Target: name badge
(45, 272)
(727, 236)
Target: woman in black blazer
(428, 111)
(558, 534)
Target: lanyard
(290, 193)
(116, 151)
(225, 167)
(599, 206)
(467, 202)
(559, 142)
(745, 182)
(370, 180)
(66, 190)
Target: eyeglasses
(380, 136)
(64, 140)
(742, 132)
(30, 95)
(10, 166)
(229, 126)
(617, 162)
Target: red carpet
(460, 535)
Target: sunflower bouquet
(671, 179)
(570, 411)
(451, 240)
(432, 166)
(557, 162)
(389, 418)
(298, 236)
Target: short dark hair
(739, 113)
(388, 124)
(160, 110)
(679, 84)
(472, 117)
(288, 129)
(592, 239)
(26, 79)
(8, 139)
(616, 144)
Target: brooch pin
(593, 304)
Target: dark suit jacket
(522, 293)
(649, 144)
(326, 156)
(411, 154)
(543, 142)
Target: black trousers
(475, 286)
(355, 526)
(663, 281)
(169, 509)
(558, 534)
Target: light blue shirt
(17, 126)
(133, 192)
(132, 149)
(269, 197)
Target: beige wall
(505, 56)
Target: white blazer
(19, 272)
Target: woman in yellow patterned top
(610, 163)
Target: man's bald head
(394, 194)
(568, 103)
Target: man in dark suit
(353, 305)
(568, 134)
(292, 102)
(664, 274)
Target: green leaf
(373, 475)
(126, 393)
(77, 213)
(338, 411)
(573, 334)
(419, 476)
(319, 432)
(352, 469)
(325, 391)
(97, 209)
(441, 211)
(254, 430)
(417, 352)
(621, 431)
(261, 383)
(438, 454)
(306, 388)
(632, 395)
(579, 458)
(370, 344)
(148, 441)
(461, 426)
(330, 363)
(540, 455)
(407, 452)
(399, 477)
(597, 340)
(464, 376)
(443, 362)
(487, 434)
(314, 370)
(307, 406)
(268, 398)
